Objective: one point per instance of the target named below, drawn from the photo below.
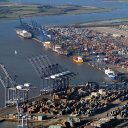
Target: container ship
(24, 33)
(78, 59)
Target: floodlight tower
(22, 119)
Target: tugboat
(78, 59)
(24, 33)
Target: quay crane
(8, 84)
(37, 30)
(13, 91)
(55, 78)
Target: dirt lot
(110, 30)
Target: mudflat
(14, 10)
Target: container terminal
(60, 105)
(88, 105)
(101, 47)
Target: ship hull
(78, 60)
(23, 33)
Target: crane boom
(7, 75)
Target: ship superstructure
(110, 73)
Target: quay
(37, 40)
(86, 103)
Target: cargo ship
(78, 59)
(24, 33)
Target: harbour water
(18, 64)
(120, 10)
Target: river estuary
(19, 64)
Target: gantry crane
(8, 84)
(54, 76)
(13, 90)
(36, 29)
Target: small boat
(110, 73)
(16, 52)
(24, 33)
(78, 59)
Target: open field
(111, 30)
(12, 11)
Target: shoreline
(89, 10)
(11, 10)
(93, 65)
